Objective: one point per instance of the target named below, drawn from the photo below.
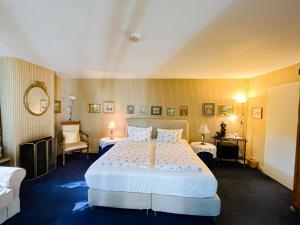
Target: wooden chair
(73, 139)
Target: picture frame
(43, 104)
(143, 109)
(57, 106)
(184, 110)
(225, 110)
(170, 111)
(130, 109)
(208, 109)
(94, 108)
(257, 112)
(108, 107)
(156, 110)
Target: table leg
(245, 142)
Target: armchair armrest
(11, 177)
(84, 134)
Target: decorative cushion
(71, 137)
(169, 136)
(139, 134)
(74, 146)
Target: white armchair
(73, 138)
(10, 182)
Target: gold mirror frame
(36, 84)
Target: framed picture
(257, 112)
(208, 109)
(130, 109)
(43, 104)
(184, 110)
(156, 110)
(225, 110)
(143, 109)
(57, 106)
(108, 107)
(171, 111)
(94, 108)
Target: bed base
(161, 203)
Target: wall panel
(19, 125)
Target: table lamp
(203, 130)
(111, 126)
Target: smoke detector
(134, 37)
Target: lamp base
(202, 143)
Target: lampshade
(204, 129)
(72, 97)
(111, 125)
(241, 98)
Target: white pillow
(169, 136)
(71, 137)
(139, 134)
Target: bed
(147, 187)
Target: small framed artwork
(171, 111)
(94, 108)
(156, 110)
(225, 110)
(108, 107)
(130, 109)
(143, 109)
(57, 106)
(43, 104)
(208, 109)
(257, 112)
(184, 110)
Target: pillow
(169, 136)
(139, 134)
(71, 137)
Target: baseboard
(261, 168)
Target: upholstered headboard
(161, 123)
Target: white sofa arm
(11, 177)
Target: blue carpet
(60, 198)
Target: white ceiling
(180, 38)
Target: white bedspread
(176, 157)
(151, 180)
(129, 154)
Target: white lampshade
(72, 97)
(204, 129)
(111, 125)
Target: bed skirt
(161, 203)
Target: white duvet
(129, 154)
(176, 157)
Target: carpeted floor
(60, 198)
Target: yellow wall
(166, 93)
(19, 125)
(258, 89)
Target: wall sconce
(72, 99)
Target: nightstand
(206, 152)
(107, 143)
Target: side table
(207, 153)
(107, 143)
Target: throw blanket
(175, 157)
(128, 154)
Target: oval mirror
(36, 99)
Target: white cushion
(76, 145)
(169, 136)
(71, 137)
(74, 127)
(139, 134)
(6, 196)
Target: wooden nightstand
(107, 143)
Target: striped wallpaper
(19, 125)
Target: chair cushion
(6, 196)
(71, 137)
(74, 146)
